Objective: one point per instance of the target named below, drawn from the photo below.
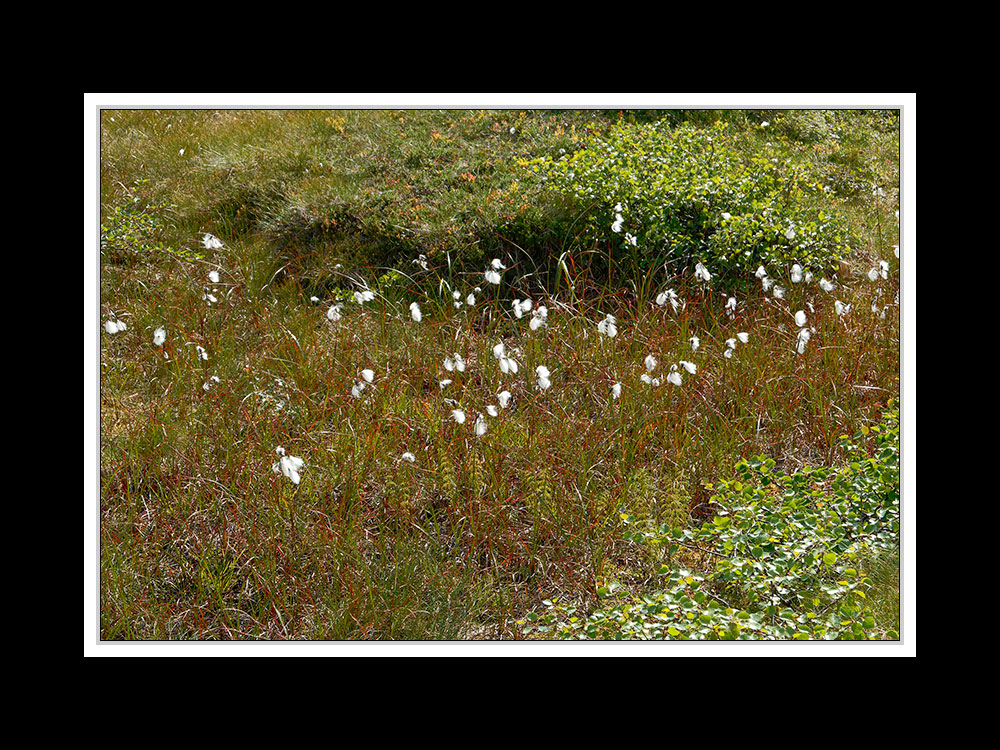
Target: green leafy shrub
(690, 194)
(787, 551)
(132, 230)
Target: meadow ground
(367, 375)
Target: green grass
(200, 539)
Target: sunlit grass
(395, 519)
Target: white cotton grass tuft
(691, 367)
(873, 274)
(290, 466)
(796, 273)
(442, 384)
(648, 379)
(779, 293)
(826, 286)
(539, 317)
(333, 314)
(213, 276)
(802, 340)
(493, 272)
(761, 273)
(544, 377)
(619, 219)
(415, 312)
(503, 399)
(480, 426)
(454, 363)
(211, 242)
(668, 295)
(650, 362)
(701, 272)
(458, 415)
(616, 391)
(884, 268)
(365, 295)
(695, 343)
(790, 233)
(407, 456)
(841, 308)
(368, 375)
(743, 337)
(508, 365)
(608, 327)
(800, 318)
(115, 326)
(159, 336)
(674, 376)
(491, 409)
(520, 308)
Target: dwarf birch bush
(687, 194)
(788, 551)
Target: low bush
(678, 196)
(787, 549)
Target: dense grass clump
(363, 378)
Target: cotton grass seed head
(539, 317)
(802, 340)
(290, 466)
(608, 327)
(544, 377)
